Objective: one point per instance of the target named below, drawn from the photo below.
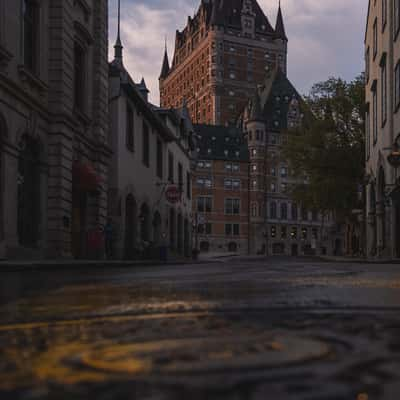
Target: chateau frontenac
(219, 58)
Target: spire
(165, 66)
(280, 26)
(118, 45)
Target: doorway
(295, 250)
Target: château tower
(219, 58)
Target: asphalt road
(242, 329)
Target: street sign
(173, 194)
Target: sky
(325, 37)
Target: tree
(327, 152)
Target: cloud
(325, 36)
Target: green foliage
(327, 153)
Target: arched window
(29, 192)
(272, 210)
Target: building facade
(220, 190)
(151, 154)
(278, 225)
(53, 126)
(220, 57)
(382, 54)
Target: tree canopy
(326, 154)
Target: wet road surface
(246, 329)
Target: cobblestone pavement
(248, 329)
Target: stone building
(220, 57)
(277, 224)
(151, 154)
(53, 126)
(382, 54)
(220, 190)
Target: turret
(280, 32)
(142, 87)
(165, 66)
(118, 44)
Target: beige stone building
(382, 54)
(53, 126)
(151, 155)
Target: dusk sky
(325, 36)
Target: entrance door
(130, 228)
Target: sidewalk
(358, 260)
(29, 265)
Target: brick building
(220, 189)
(220, 57)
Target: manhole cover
(82, 363)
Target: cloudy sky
(325, 36)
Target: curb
(63, 265)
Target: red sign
(173, 194)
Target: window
(235, 168)
(295, 215)
(30, 34)
(375, 115)
(273, 231)
(232, 206)
(79, 77)
(273, 187)
(283, 232)
(284, 187)
(315, 233)
(159, 160)
(396, 9)
(314, 215)
(170, 167)
(304, 214)
(367, 64)
(204, 182)
(397, 86)
(284, 211)
(204, 164)
(204, 204)
(293, 233)
(188, 185)
(130, 136)
(375, 33)
(284, 172)
(304, 234)
(384, 14)
(384, 90)
(272, 210)
(146, 145)
(205, 229)
(232, 229)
